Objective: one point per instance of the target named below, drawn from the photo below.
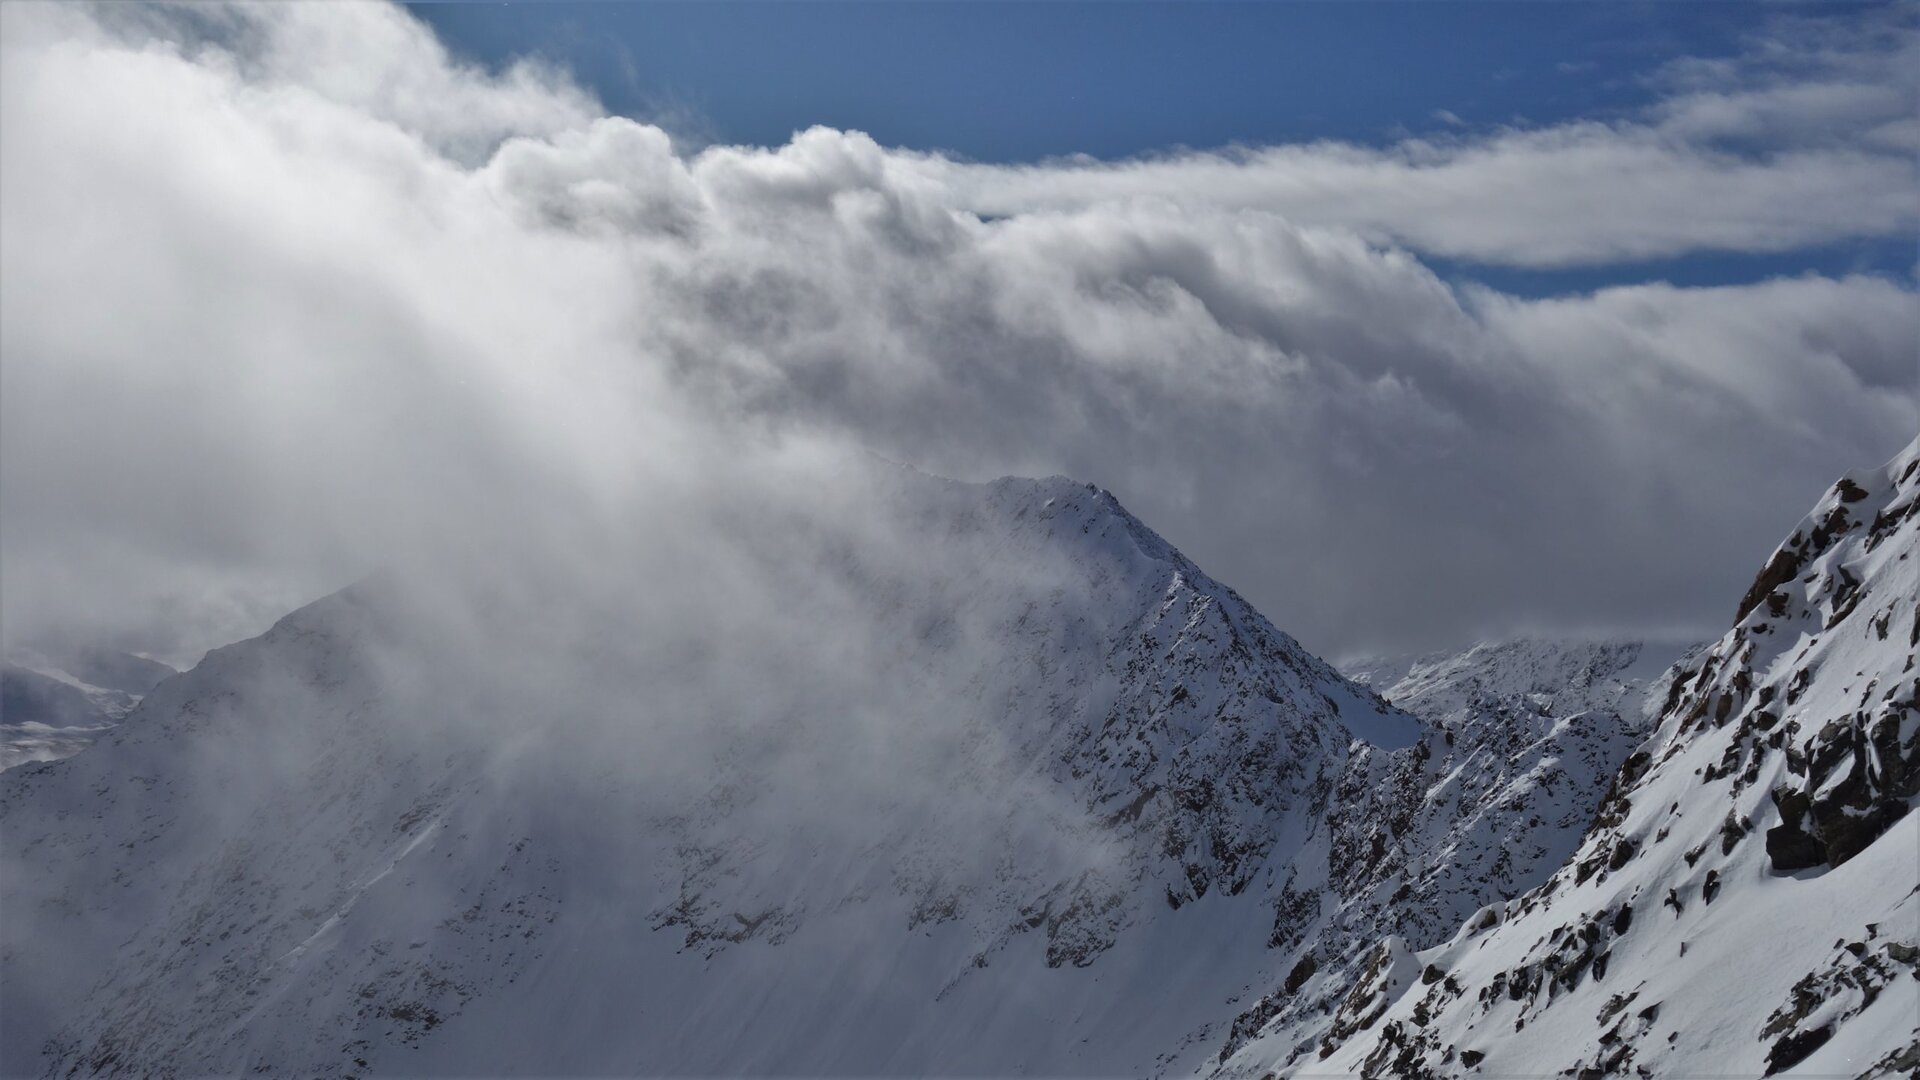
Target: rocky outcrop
(1523, 740)
(1760, 838)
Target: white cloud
(1804, 83)
(287, 292)
(1575, 194)
(1808, 136)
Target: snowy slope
(1524, 737)
(1745, 902)
(1528, 734)
(1543, 676)
(56, 701)
(1000, 784)
(1034, 815)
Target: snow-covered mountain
(1747, 898)
(1523, 738)
(54, 701)
(1526, 736)
(1543, 677)
(991, 781)
(1029, 805)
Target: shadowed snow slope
(1745, 900)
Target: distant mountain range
(54, 700)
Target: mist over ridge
(355, 328)
(493, 585)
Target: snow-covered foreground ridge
(1747, 900)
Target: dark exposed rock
(1866, 779)
(1301, 972)
(1782, 568)
(1794, 1047)
(1731, 832)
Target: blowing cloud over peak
(291, 292)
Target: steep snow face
(1527, 735)
(55, 702)
(1523, 738)
(1541, 677)
(1015, 789)
(1745, 901)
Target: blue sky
(1006, 82)
(1017, 82)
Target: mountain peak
(985, 732)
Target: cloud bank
(288, 294)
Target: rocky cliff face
(1743, 902)
(1523, 739)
